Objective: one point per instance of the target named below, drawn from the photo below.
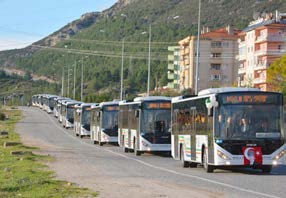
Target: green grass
(27, 175)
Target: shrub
(2, 116)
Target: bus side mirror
(137, 113)
(210, 112)
(98, 114)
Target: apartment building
(217, 61)
(173, 67)
(260, 44)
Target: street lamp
(149, 62)
(122, 64)
(63, 79)
(198, 48)
(74, 81)
(81, 87)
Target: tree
(276, 75)
(28, 76)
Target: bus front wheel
(207, 167)
(184, 163)
(125, 150)
(136, 152)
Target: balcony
(176, 62)
(171, 76)
(241, 70)
(241, 57)
(171, 66)
(259, 80)
(265, 52)
(260, 66)
(270, 38)
(241, 43)
(170, 57)
(173, 85)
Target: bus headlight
(279, 155)
(222, 155)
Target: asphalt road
(116, 174)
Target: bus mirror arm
(210, 112)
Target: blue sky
(25, 21)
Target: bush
(2, 116)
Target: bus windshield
(156, 121)
(70, 113)
(110, 120)
(85, 117)
(247, 121)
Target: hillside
(96, 39)
(14, 87)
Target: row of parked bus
(219, 127)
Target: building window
(215, 66)
(216, 44)
(279, 47)
(215, 77)
(216, 55)
(225, 44)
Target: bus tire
(266, 168)
(125, 150)
(184, 163)
(100, 143)
(207, 167)
(76, 134)
(193, 165)
(94, 142)
(136, 152)
(81, 136)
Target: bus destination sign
(250, 99)
(158, 105)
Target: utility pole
(68, 93)
(149, 62)
(198, 49)
(81, 89)
(74, 80)
(63, 79)
(122, 64)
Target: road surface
(114, 173)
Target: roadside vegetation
(23, 173)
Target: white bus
(61, 108)
(82, 119)
(104, 123)
(49, 103)
(68, 113)
(144, 124)
(221, 127)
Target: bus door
(193, 114)
(131, 113)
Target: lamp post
(68, 92)
(149, 62)
(63, 79)
(122, 64)
(74, 80)
(81, 87)
(198, 49)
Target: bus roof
(225, 89)
(151, 98)
(115, 102)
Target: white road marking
(164, 169)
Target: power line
(96, 53)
